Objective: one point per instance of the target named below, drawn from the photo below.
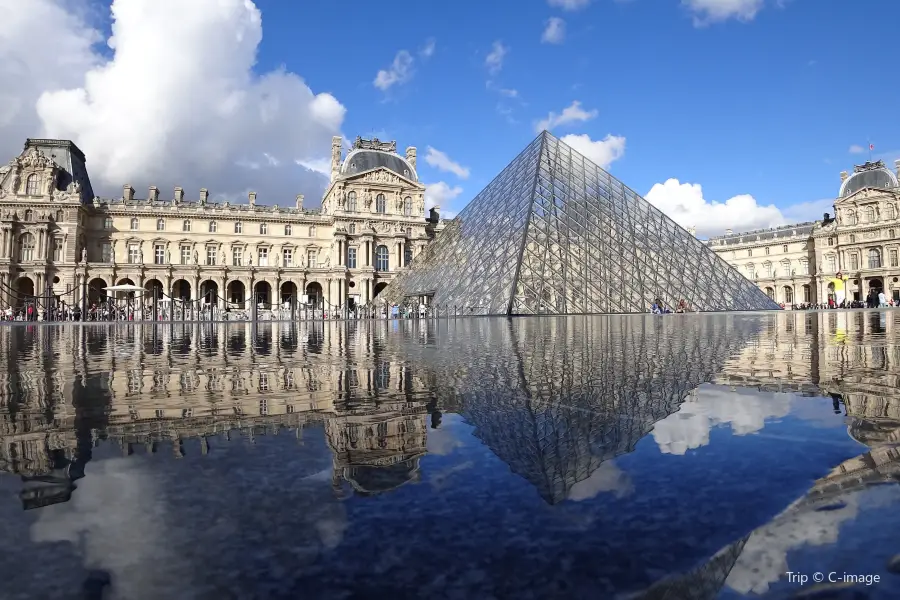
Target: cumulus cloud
(573, 113)
(706, 12)
(398, 73)
(440, 161)
(715, 406)
(191, 113)
(441, 194)
(684, 203)
(607, 478)
(554, 31)
(600, 152)
(569, 4)
(496, 57)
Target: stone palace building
(840, 257)
(60, 240)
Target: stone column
(223, 292)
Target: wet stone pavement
(683, 456)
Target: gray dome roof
(360, 161)
(869, 175)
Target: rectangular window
(831, 264)
(804, 268)
(186, 225)
(288, 257)
(767, 250)
(210, 255)
(831, 241)
(237, 256)
(238, 227)
(750, 252)
(854, 262)
(768, 270)
(185, 255)
(107, 223)
(159, 254)
(311, 258)
(784, 248)
(351, 258)
(407, 255)
(264, 257)
(893, 256)
(134, 254)
(57, 249)
(263, 228)
(106, 252)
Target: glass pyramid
(554, 233)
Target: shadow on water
(694, 456)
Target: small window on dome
(406, 172)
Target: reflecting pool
(682, 456)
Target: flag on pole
(871, 146)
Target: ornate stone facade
(835, 258)
(59, 239)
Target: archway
(154, 289)
(314, 294)
(236, 294)
(379, 287)
(125, 281)
(24, 291)
(788, 295)
(876, 284)
(770, 292)
(181, 289)
(289, 293)
(262, 292)
(209, 293)
(96, 291)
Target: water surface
(698, 456)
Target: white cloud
(554, 31)
(601, 152)
(442, 162)
(856, 149)
(571, 114)
(186, 113)
(569, 4)
(713, 11)
(684, 203)
(440, 194)
(428, 49)
(400, 71)
(508, 92)
(714, 406)
(496, 57)
(606, 478)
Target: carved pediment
(35, 159)
(866, 195)
(381, 175)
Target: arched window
(770, 293)
(382, 258)
(852, 239)
(26, 247)
(160, 224)
(751, 271)
(768, 269)
(33, 185)
(186, 225)
(380, 204)
(288, 230)
(134, 224)
(407, 207)
(213, 227)
(870, 214)
(874, 258)
(788, 295)
(29, 215)
(890, 213)
(59, 216)
(312, 231)
(851, 217)
(351, 202)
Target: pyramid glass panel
(554, 233)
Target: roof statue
(374, 144)
(554, 233)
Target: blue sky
(760, 101)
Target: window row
(380, 204)
(768, 250)
(770, 271)
(211, 226)
(29, 216)
(874, 260)
(869, 215)
(134, 255)
(27, 251)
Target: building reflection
(553, 398)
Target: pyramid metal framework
(554, 233)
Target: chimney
(827, 219)
(728, 232)
(153, 194)
(252, 196)
(127, 193)
(434, 214)
(299, 201)
(179, 195)
(336, 143)
(411, 156)
(843, 175)
(204, 195)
